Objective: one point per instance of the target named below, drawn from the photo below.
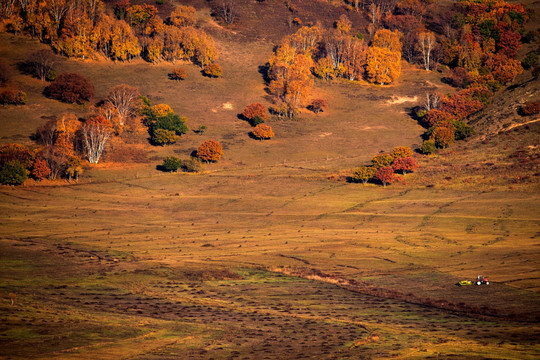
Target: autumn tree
(385, 175)
(383, 65)
(306, 39)
(404, 164)
(163, 137)
(291, 79)
(382, 160)
(124, 45)
(363, 174)
(96, 132)
(210, 151)
(71, 88)
(40, 169)
(401, 152)
(255, 113)
(387, 39)
(178, 74)
(343, 24)
(75, 40)
(183, 15)
(263, 132)
(125, 100)
(443, 135)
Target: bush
(462, 130)
(443, 135)
(382, 160)
(192, 165)
(210, 151)
(213, 70)
(428, 147)
(40, 170)
(70, 88)
(163, 137)
(318, 105)
(255, 113)
(530, 60)
(401, 152)
(531, 108)
(12, 97)
(12, 173)
(178, 74)
(363, 174)
(263, 132)
(171, 163)
(437, 117)
(171, 122)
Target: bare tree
(95, 136)
(432, 101)
(124, 99)
(40, 63)
(227, 12)
(426, 43)
(46, 133)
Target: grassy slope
(135, 263)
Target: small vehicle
(481, 280)
(464, 282)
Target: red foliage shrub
(461, 105)
(40, 169)
(210, 150)
(436, 117)
(71, 88)
(531, 108)
(318, 105)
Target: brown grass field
(269, 253)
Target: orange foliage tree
(254, 110)
(183, 15)
(40, 170)
(383, 65)
(210, 151)
(263, 132)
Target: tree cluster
(164, 125)
(85, 29)
(384, 166)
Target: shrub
(437, 117)
(70, 88)
(263, 132)
(363, 174)
(18, 152)
(531, 108)
(462, 130)
(12, 173)
(428, 147)
(171, 163)
(161, 110)
(405, 164)
(210, 151)
(443, 135)
(530, 60)
(163, 137)
(178, 74)
(255, 110)
(12, 97)
(213, 70)
(171, 122)
(401, 152)
(382, 160)
(192, 165)
(385, 175)
(318, 105)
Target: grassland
(270, 253)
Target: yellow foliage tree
(387, 39)
(183, 16)
(383, 65)
(124, 45)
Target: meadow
(270, 253)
